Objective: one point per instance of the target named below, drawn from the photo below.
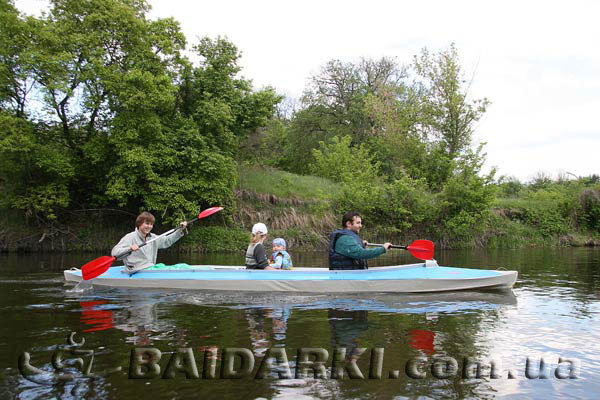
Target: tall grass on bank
(296, 207)
(285, 184)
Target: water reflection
(404, 325)
(261, 337)
(422, 339)
(553, 312)
(268, 314)
(95, 316)
(346, 327)
(394, 303)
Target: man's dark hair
(349, 217)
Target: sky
(537, 62)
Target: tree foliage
(380, 128)
(334, 104)
(416, 119)
(339, 161)
(101, 100)
(15, 52)
(590, 206)
(223, 107)
(449, 113)
(34, 173)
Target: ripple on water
(52, 306)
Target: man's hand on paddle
(386, 245)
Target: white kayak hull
(413, 278)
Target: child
(281, 258)
(256, 258)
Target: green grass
(215, 238)
(510, 203)
(285, 184)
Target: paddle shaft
(394, 246)
(167, 233)
(422, 249)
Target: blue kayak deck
(413, 278)
(404, 273)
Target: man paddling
(346, 249)
(142, 257)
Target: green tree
(223, 106)
(334, 104)
(466, 198)
(339, 161)
(406, 205)
(124, 118)
(34, 174)
(97, 63)
(185, 157)
(510, 186)
(307, 128)
(352, 166)
(541, 180)
(395, 138)
(589, 199)
(15, 68)
(449, 114)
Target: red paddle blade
(209, 211)
(421, 249)
(96, 267)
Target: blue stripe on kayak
(404, 273)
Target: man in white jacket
(146, 255)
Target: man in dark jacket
(346, 249)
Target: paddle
(421, 249)
(101, 264)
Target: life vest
(251, 261)
(340, 261)
(287, 259)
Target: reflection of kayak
(411, 278)
(405, 303)
(418, 300)
(349, 301)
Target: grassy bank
(295, 207)
(302, 209)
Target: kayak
(412, 278)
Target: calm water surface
(552, 313)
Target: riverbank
(305, 209)
(99, 230)
(303, 227)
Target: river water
(248, 345)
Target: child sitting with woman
(281, 259)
